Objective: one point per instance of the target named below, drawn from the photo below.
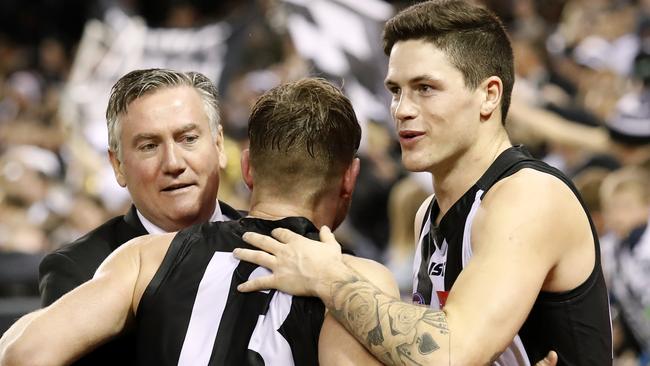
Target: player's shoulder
(148, 244)
(530, 188)
(531, 198)
(374, 272)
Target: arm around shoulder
(336, 346)
(80, 320)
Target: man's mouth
(409, 135)
(175, 187)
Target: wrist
(330, 278)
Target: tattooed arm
(337, 346)
(396, 332)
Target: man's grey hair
(138, 83)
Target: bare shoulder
(154, 246)
(537, 215)
(374, 272)
(134, 250)
(531, 194)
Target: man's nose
(405, 108)
(173, 160)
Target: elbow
(17, 354)
(463, 353)
(469, 347)
(473, 358)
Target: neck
(275, 208)
(451, 181)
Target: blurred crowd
(581, 102)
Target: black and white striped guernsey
(192, 314)
(576, 324)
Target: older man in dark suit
(166, 148)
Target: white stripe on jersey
(208, 308)
(266, 340)
(417, 259)
(467, 232)
(259, 272)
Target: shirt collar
(153, 229)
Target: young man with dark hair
(507, 262)
(178, 291)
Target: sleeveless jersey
(576, 323)
(192, 314)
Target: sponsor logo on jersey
(437, 269)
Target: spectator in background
(166, 148)
(625, 196)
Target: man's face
(624, 211)
(436, 115)
(170, 161)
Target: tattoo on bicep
(394, 331)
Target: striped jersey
(192, 314)
(576, 323)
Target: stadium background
(582, 71)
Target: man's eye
(147, 147)
(425, 88)
(190, 139)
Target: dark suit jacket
(75, 263)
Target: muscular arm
(522, 237)
(81, 319)
(396, 332)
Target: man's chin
(412, 166)
(183, 214)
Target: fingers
(257, 284)
(255, 256)
(266, 243)
(549, 360)
(285, 235)
(326, 235)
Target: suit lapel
(230, 212)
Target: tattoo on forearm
(396, 332)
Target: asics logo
(437, 269)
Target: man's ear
(117, 168)
(221, 148)
(246, 169)
(350, 178)
(492, 88)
